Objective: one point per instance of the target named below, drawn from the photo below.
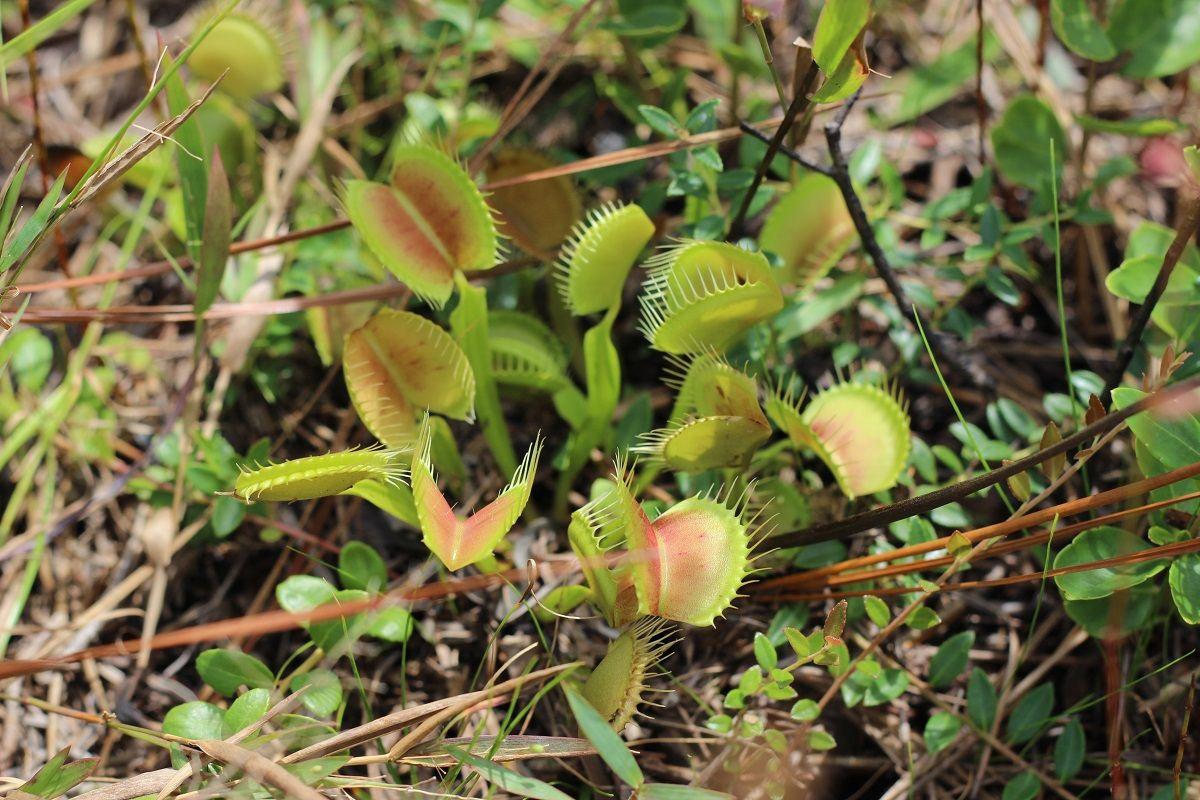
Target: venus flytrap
(431, 226)
(810, 229)
(527, 356)
(244, 50)
(317, 476)
(860, 431)
(537, 216)
(619, 683)
(456, 541)
(687, 565)
(397, 365)
(716, 422)
(591, 275)
(705, 295)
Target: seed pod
(810, 229)
(245, 47)
(704, 295)
(460, 542)
(598, 256)
(861, 432)
(618, 683)
(428, 224)
(316, 476)
(399, 362)
(537, 216)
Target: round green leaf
(1098, 544)
(194, 720)
(228, 670)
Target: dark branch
(943, 346)
(784, 150)
(800, 102)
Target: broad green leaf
(1024, 786)
(506, 779)
(1160, 35)
(923, 618)
(324, 693)
(940, 731)
(890, 684)
(805, 710)
(950, 659)
(1116, 615)
(302, 592)
(1069, 750)
(29, 354)
(247, 709)
(764, 652)
(606, 741)
(392, 624)
(56, 777)
(228, 670)
(1099, 544)
(981, 700)
(1173, 439)
(821, 741)
(1030, 714)
(877, 610)
(1077, 27)
(194, 720)
(660, 121)
(361, 567)
(1022, 141)
(1184, 578)
(837, 28)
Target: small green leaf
(324, 693)
(1022, 142)
(805, 710)
(606, 741)
(1030, 714)
(245, 710)
(837, 28)
(56, 777)
(228, 670)
(820, 741)
(1098, 544)
(940, 731)
(981, 700)
(1024, 786)
(1184, 578)
(950, 659)
(392, 624)
(923, 619)
(764, 652)
(1077, 27)
(361, 567)
(877, 610)
(660, 121)
(194, 720)
(506, 779)
(1069, 751)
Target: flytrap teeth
(619, 683)
(703, 295)
(317, 476)
(399, 362)
(430, 223)
(598, 255)
(861, 432)
(456, 541)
